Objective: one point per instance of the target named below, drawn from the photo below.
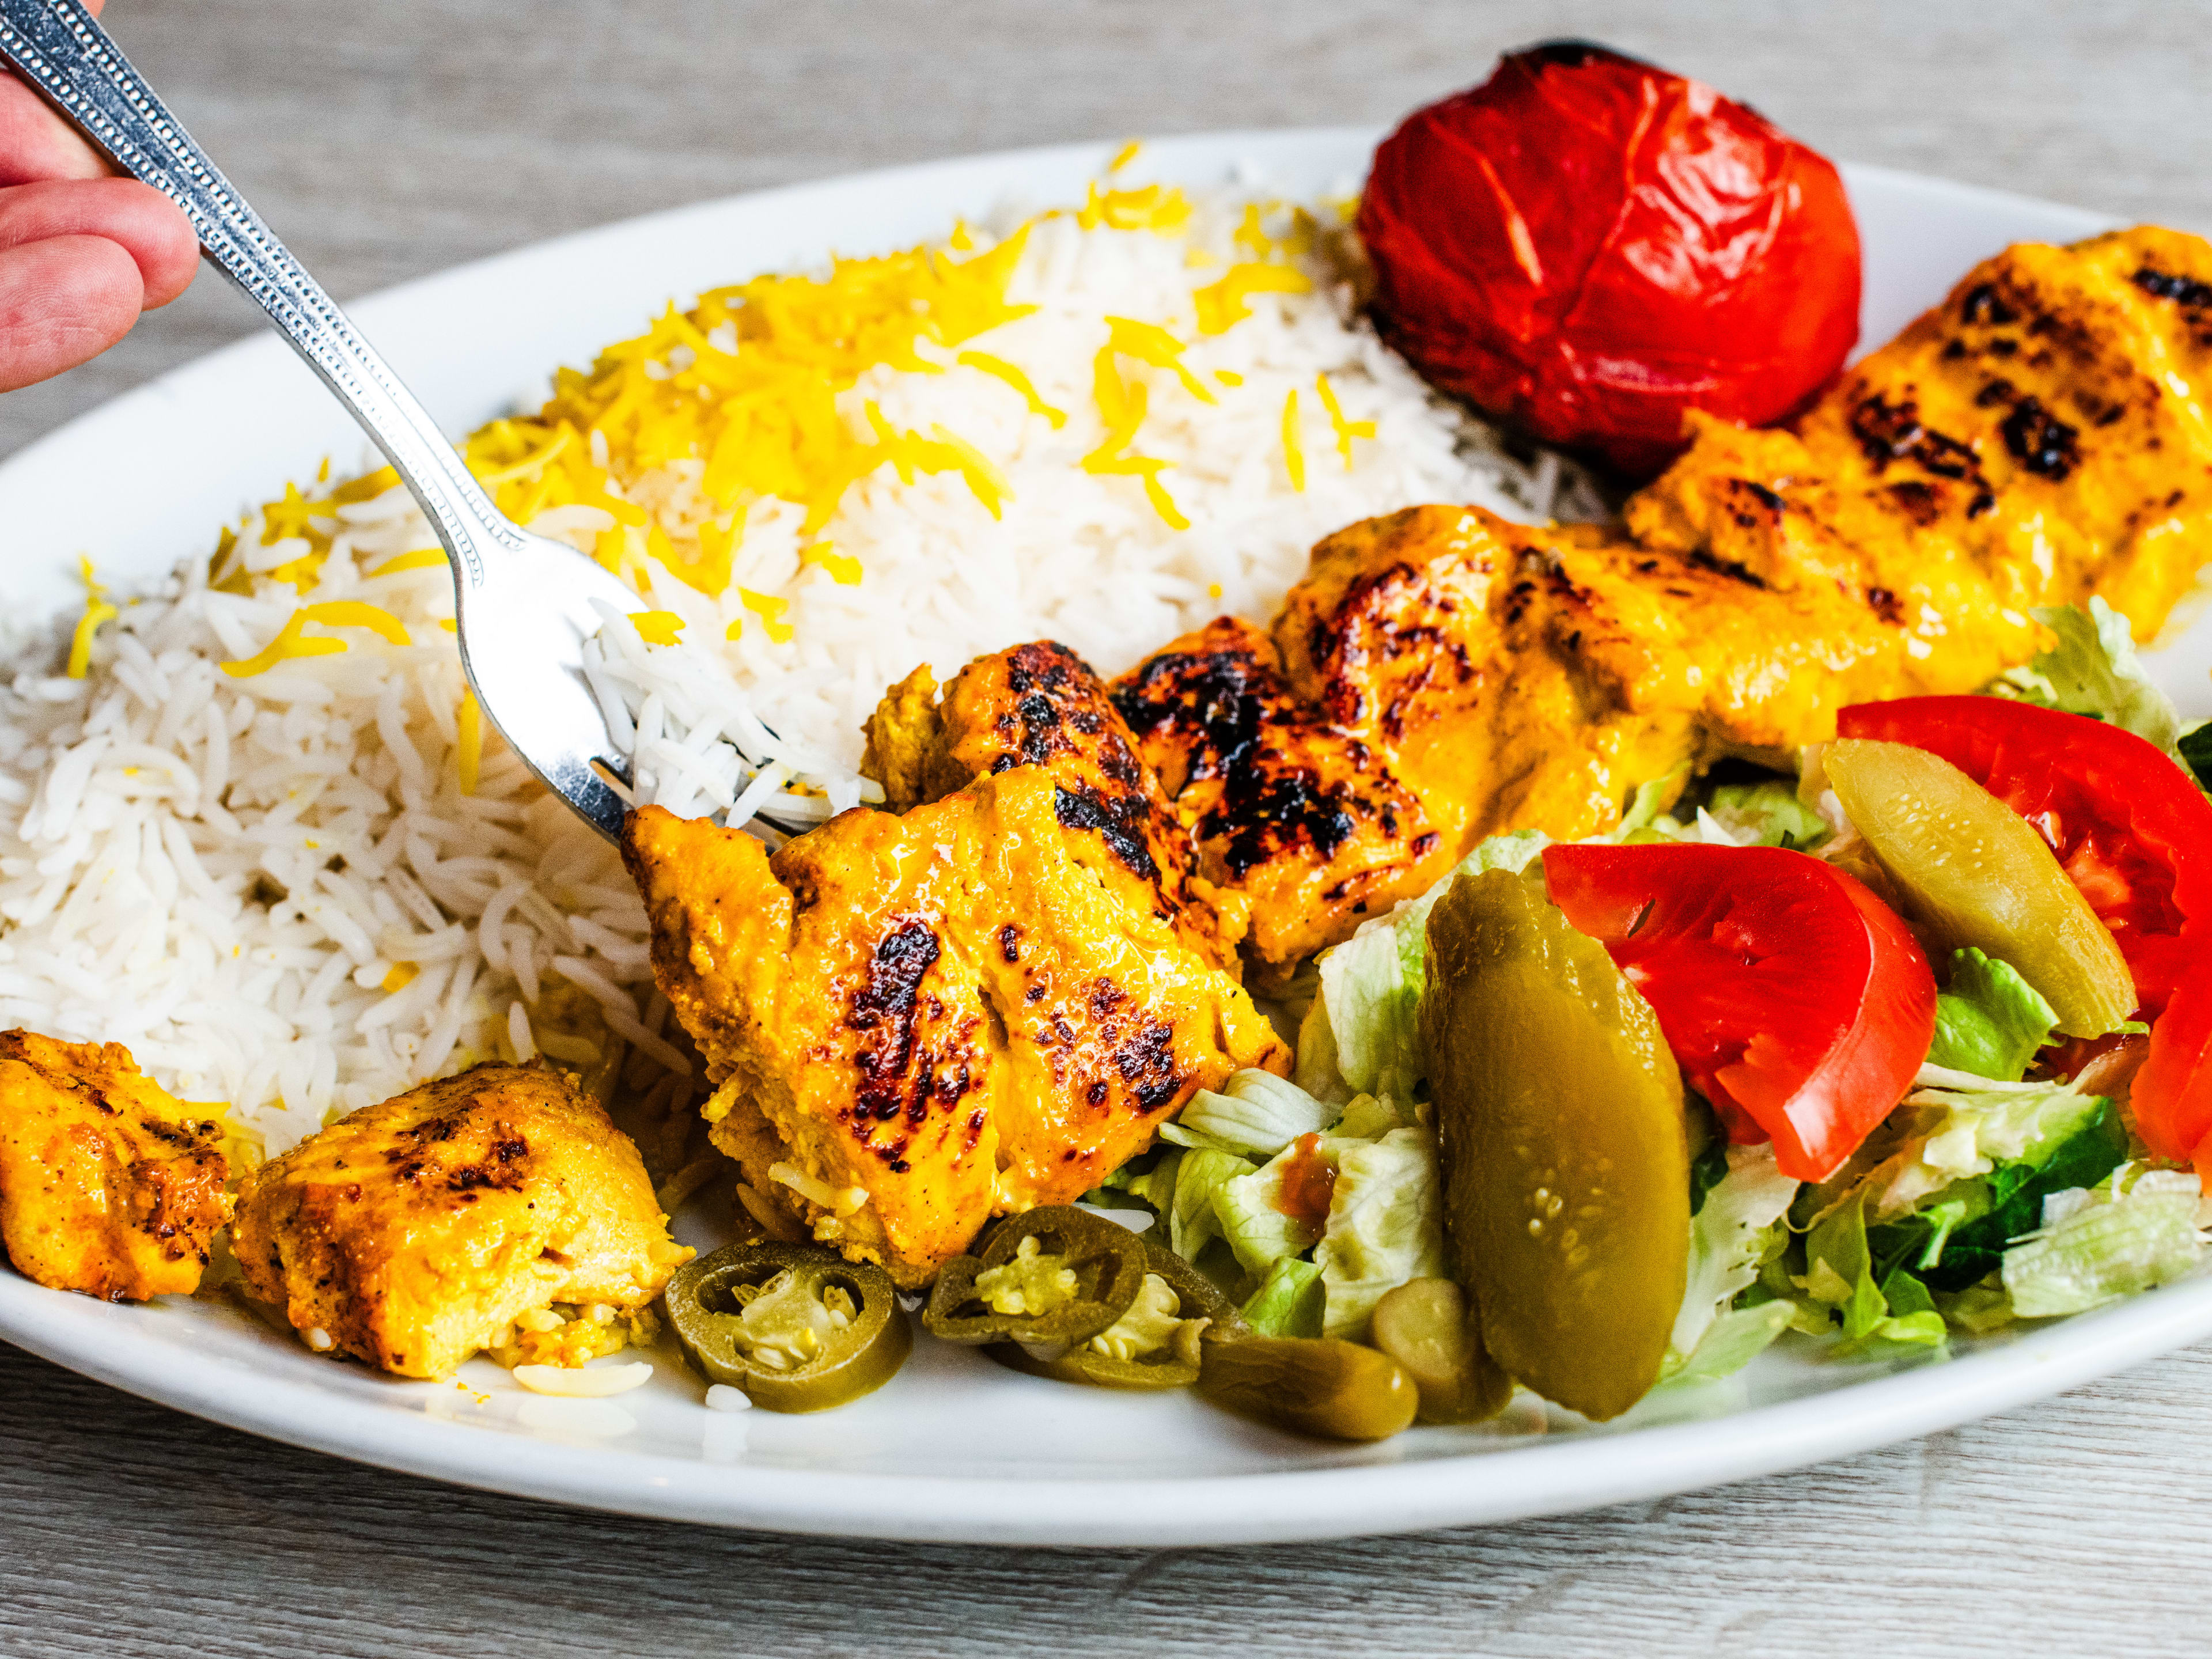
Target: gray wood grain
(390, 138)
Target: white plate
(954, 1448)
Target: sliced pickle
(1566, 1160)
(1971, 872)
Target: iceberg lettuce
(1385, 1224)
(2135, 1230)
(1371, 985)
(1290, 1302)
(1965, 1125)
(2093, 670)
(1730, 1237)
(1194, 1216)
(1255, 1113)
(1989, 1021)
(1247, 1208)
(1764, 815)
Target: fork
(523, 604)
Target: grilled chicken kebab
(988, 997)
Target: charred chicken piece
(414, 1232)
(919, 1021)
(1041, 705)
(2041, 436)
(1302, 818)
(1532, 679)
(107, 1185)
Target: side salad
(1939, 1012)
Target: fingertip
(63, 302)
(163, 242)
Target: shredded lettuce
(1155, 1187)
(2093, 670)
(1764, 815)
(1255, 1113)
(1730, 1234)
(1967, 1127)
(1247, 1209)
(1193, 1214)
(1960, 1237)
(1730, 1342)
(1989, 1021)
(1879, 1318)
(1385, 1224)
(1371, 985)
(1292, 1301)
(1644, 810)
(2130, 1232)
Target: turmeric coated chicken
(919, 1021)
(2038, 437)
(2041, 436)
(414, 1232)
(1303, 818)
(107, 1185)
(1042, 705)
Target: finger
(61, 301)
(138, 218)
(37, 143)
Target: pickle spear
(1973, 872)
(1566, 1160)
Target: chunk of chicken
(412, 1233)
(1041, 705)
(107, 1185)
(2040, 437)
(1302, 818)
(918, 1021)
(1532, 679)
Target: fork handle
(62, 51)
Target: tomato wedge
(2135, 834)
(1797, 1002)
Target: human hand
(82, 252)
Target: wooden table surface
(388, 139)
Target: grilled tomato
(1591, 247)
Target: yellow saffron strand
(657, 626)
(1124, 155)
(96, 611)
(1222, 305)
(1148, 342)
(422, 558)
(1000, 368)
(844, 569)
(287, 645)
(1294, 458)
(769, 609)
(353, 613)
(468, 749)
(1345, 430)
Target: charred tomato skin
(1590, 247)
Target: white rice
(226, 873)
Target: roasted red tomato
(1794, 998)
(1591, 246)
(2134, 832)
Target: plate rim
(1487, 1488)
(1540, 1477)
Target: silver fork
(523, 603)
